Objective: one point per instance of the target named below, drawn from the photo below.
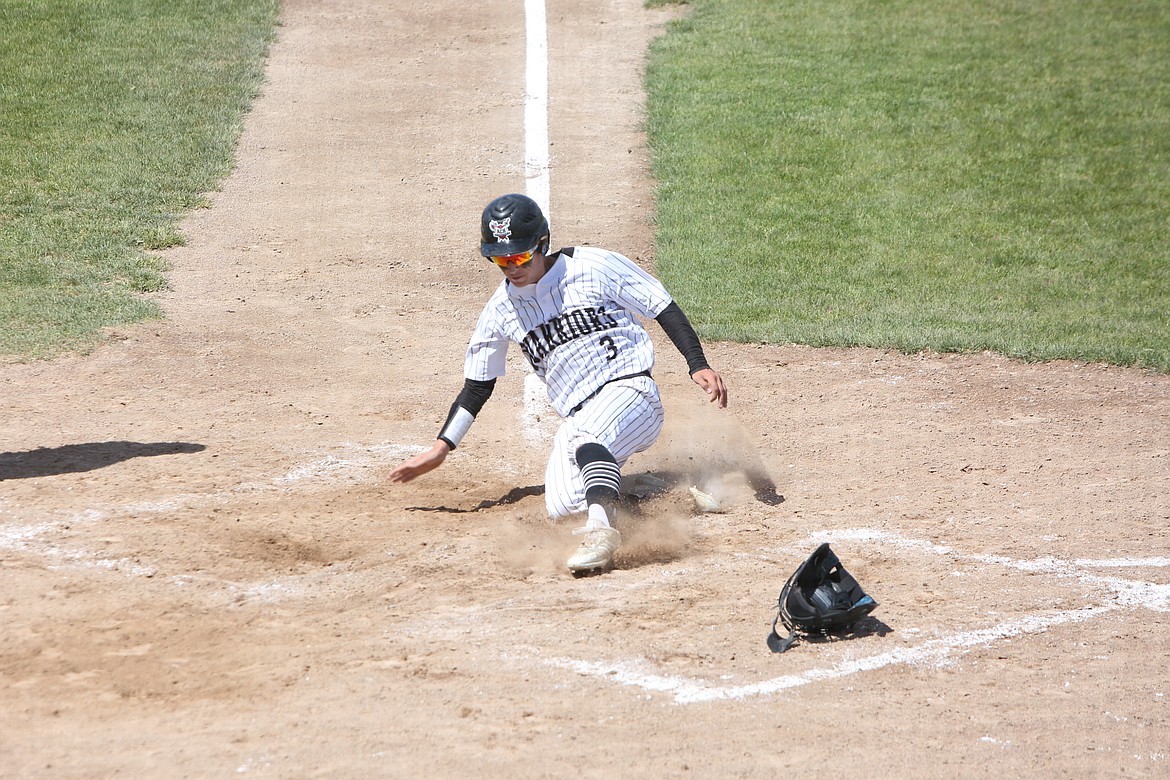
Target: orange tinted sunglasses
(503, 261)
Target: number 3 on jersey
(610, 347)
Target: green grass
(955, 176)
(118, 116)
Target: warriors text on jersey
(576, 326)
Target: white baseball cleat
(596, 551)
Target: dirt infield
(205, 575)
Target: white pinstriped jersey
(576, 326)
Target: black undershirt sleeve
(682, 335)
(475, 394)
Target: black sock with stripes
(603, 478)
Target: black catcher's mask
(820, 598)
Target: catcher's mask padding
(821, 597)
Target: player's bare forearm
(712, 384)
(422, 463)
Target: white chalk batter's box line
(349, 463)
(1126, 593)
(1120, 593)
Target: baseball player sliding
(572, 312)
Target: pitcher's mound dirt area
(205, 573)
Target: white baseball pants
(625, 418)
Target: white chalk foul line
(1117, 592)
(536, 159)
(536, 181)
(934, 652)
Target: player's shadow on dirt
(511, 497)
(763, 488)
(73, 458)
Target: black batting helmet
(512, 224)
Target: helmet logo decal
(501, 228)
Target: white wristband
(456, 428)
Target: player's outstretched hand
(422, 463)
(712, 383)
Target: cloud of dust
(657, 531)
(706, 448)
(531, 544)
